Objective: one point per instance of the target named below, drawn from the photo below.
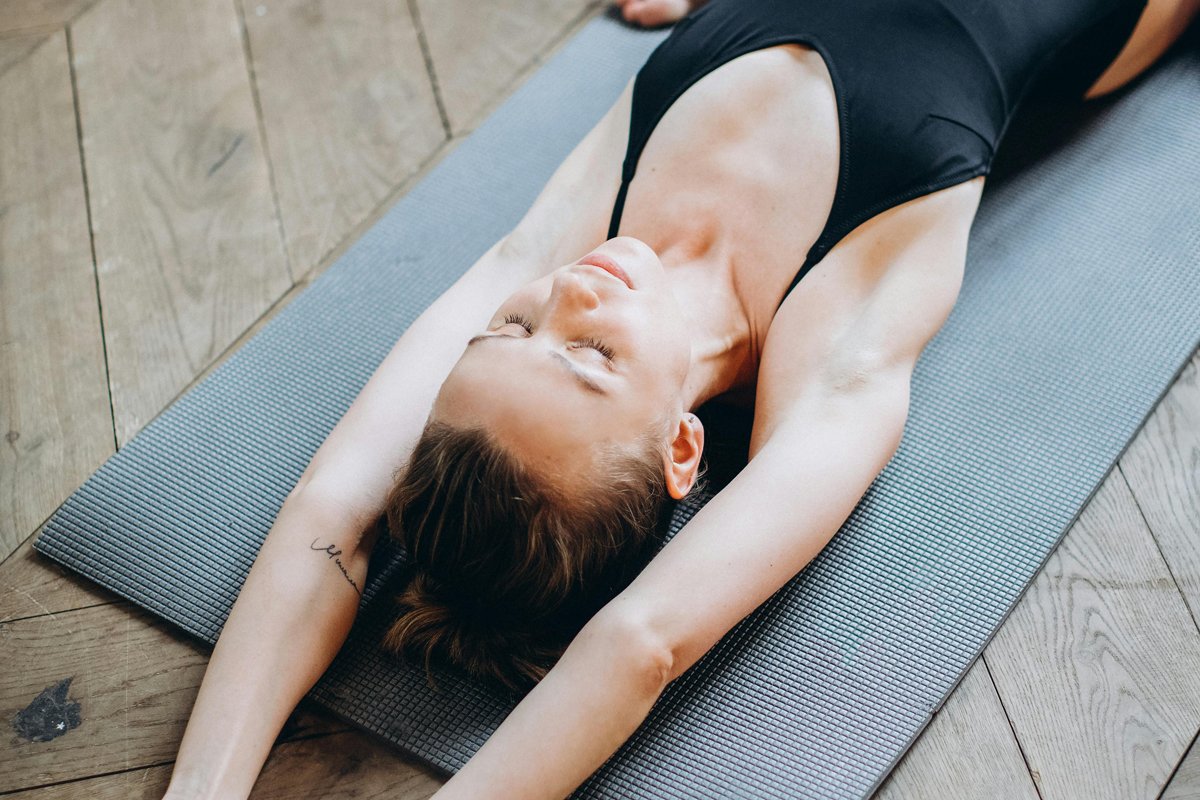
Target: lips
(608, 265)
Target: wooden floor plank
(119, 685)
(348, 111)
(968, 750)
(1162, 467)
(1099, 664)
(165, 107)
(54, 416)
(21, 14)
(186, 236)
(1185, 784)
(14, 48)
(349, 765)
(100, 690)
(478, 49)
(32, 585)
(342, 766)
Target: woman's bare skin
(826, 374)
(652, 13)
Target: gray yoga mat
(1078, 308)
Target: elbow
(641, 652)
(324, 507)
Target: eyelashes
(510, 319)
(595, 344)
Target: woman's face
(576, 362)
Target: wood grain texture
(32, 585)
(341, 766)
(968, 750)
(479, 49)
(186, 237)
(1099, 664)
(1162, 467)
(348, 111)
(1185, 784)
(20, 14)
(350, 765)
(16, 47)
(134, 679)
(54, 416)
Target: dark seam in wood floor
(334, 253)
(1154, 538)
(87, 204)
(85, 778)
(1008, 718)
(415, 13)
(252, 79)
(1178, 765)
(70, 610)
(523, 74)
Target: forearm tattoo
(333, 552)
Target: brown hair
(504, 567)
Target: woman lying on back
(806, 177)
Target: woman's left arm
(738, 550)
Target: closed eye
(510, 319)
(595, 344)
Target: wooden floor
(174, 173)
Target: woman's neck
(725, 347)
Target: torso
(710, 176)
(742, 169)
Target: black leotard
(925, 88)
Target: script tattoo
(333, 552)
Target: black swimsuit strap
(925, 88)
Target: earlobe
(683, 458)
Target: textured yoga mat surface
(1078, 307)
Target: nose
(573, 291)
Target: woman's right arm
(302, 593)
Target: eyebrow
(579, 375)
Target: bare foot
(652, 13)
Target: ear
(683, 458)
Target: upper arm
(871, 305)
(571, 214)
(356, 466)
(771, 519)
(830, 409)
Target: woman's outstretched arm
(830, 409)
(780, 511)
(302, 594)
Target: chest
(745, 161)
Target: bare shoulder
(870, 306)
